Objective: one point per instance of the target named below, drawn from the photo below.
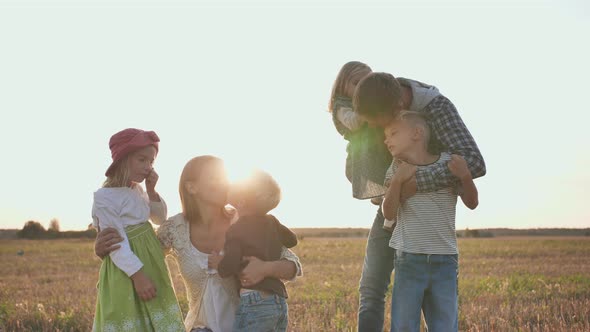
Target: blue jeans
(427, 282)
(259, 313)
(377, 268)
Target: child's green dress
(119, 308)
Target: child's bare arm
(144, 286)
(469, 195)
(391, 202)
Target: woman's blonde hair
(349, 69)
(120, 177)
(191, 173)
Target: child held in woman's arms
(257, 233)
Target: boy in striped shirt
(424, 237)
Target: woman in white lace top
(194, 238)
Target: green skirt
(119, 308)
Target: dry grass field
(505, 284)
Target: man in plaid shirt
(378, 98)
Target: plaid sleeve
(448, 127)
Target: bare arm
(391, 202)
(402, 173)
(257, 270)
(458, 167)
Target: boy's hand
(150, 181)
(458, 167)
(409, 189)
(106, 241)
(144, 286)
(214, 259)
(405, 171)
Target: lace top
(212, 300)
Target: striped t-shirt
(426, 221)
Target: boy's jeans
(375, 278)
(259, 313)
(427, 282)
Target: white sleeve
(349, 118)
(287, 254)
(105, 216)
(158, 211)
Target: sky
(250, 82)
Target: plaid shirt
(448, 133)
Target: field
(505, 284)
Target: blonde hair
(343, 79)
(120, 176)
(260, 191)
(417, 119)
(191, 173)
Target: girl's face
(353, 80)
(213, 184)
(140, 163)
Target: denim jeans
(377, 268)
(427, 282)
(259, 313)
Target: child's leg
(375, 277)
(441, 301)
(410, 281)
(258, 313)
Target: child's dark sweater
(259, 236)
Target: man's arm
(448, 127)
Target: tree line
(34, 230)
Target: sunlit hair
(377, 94)
(260, 191)
(416, 119)
(120, 176)
(347, 71)
(192, 172)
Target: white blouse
(213, 300)
(124, 206)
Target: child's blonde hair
(417, 119)
(349, 69)
(191, 173)
(260, 191)
(120, 176)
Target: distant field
(506, 284)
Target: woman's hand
(254, 272)
(214, 259)
(106, 241)
(144, 286)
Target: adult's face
(213, 184)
